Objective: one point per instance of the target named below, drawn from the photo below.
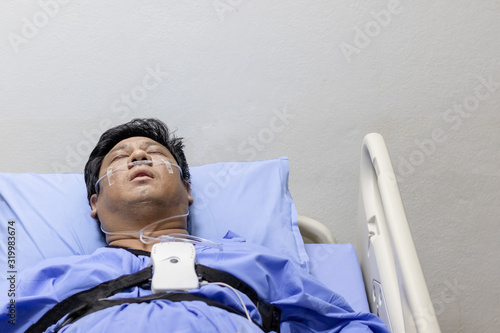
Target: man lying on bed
(138, 187)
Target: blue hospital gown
(306, 305)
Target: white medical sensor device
(173, 267)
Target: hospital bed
(395, 286)
(47, 215)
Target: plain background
(253, 79)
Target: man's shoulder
(105, 259)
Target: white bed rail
(315, 231)
(393, 277)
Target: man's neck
(136, 243)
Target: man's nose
(139, 155)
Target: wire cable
(237, 294)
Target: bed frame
(394, 283)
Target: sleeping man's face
(133, 196)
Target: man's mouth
(141, 174)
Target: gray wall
(245, 79)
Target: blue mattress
(337, 266)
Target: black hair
(148, 127)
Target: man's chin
(144, 199)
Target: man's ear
(93, 204)
(188, 189)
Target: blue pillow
(48, 215)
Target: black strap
(270, 314)
(82, 301)
(103, 290)
(173, 297)
(214, 275)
